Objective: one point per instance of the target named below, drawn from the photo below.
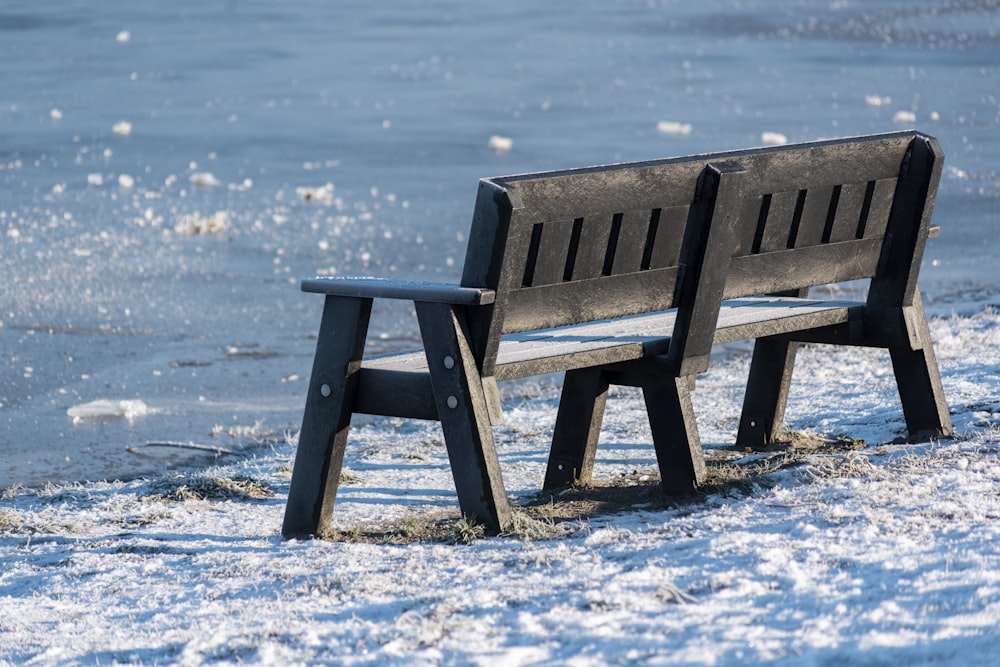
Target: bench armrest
(385, 288)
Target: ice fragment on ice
(673, 127)
(56, 114)
(205, 179)
(955, 172)
(193, 224)
(904, 117)
(108, 409)
(323, 193)
(877, 101)
(773, 139)
(123, 36)
(125, 181)
(500, 144)
(122, 128)
(95, 179)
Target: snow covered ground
(886, 554)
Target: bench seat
(602, 343)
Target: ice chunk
(56, 114)
(193, 225)
(122, 128)
(877, 101)
(123, 36)
(673, 127)
(773, 139)
(125, 182)
(205, 179)
(904, 117)
(96, 180)
(108, 409)
(323, 193)
(500, 144)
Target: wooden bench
(628, 274)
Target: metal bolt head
(449, 362)
(452, 402)
(325, 391)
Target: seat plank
(629, 338)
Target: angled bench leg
(767, 393)
(919, 381)
(578, 425)
(463, 409)
(675, 433)
(327, 417)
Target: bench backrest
(836, 211)
(586, 244)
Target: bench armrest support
(384, 288)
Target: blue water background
(394, 103)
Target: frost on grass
(206, 486)
(854, 549)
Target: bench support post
(675, 433)
(767, 392)
(327, 418)
(918, 379)
(464, 410)
(578, 425)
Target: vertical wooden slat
(747, 228)
(812, 222)
(848, 214)
(881, 206)
(665, 245)
(594, 236)
(631, 242)
(553, 249)
(780, 215)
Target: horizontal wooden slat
(802, 267)
(586, 300)
(400, 386)
(611, 189)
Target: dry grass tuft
(209, 487)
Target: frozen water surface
(168, 171)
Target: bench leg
(327, 417)
(767, 392)
(675, 434)
(919, 381)
(463, 409)
(578, 425)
